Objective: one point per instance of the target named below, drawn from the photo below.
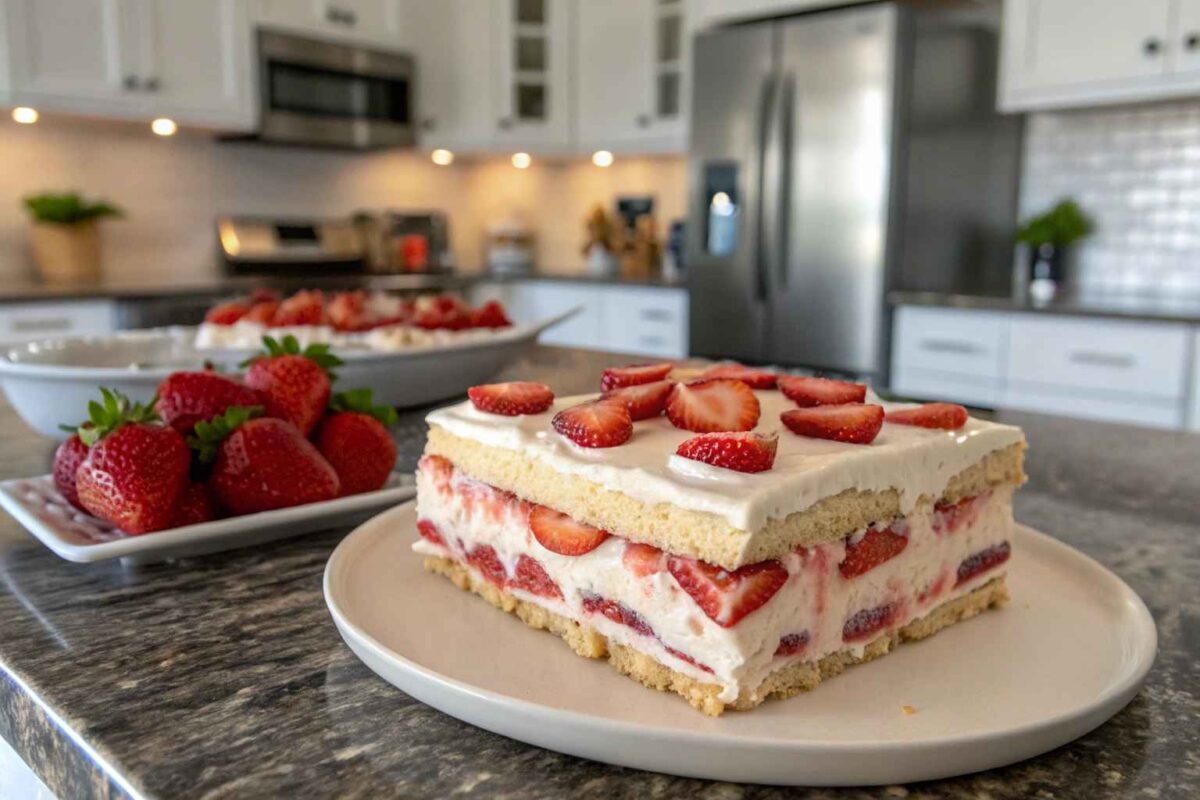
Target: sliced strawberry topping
(875, 547)
(726, 597)
(854, 424)
(809, 392)
(511, 399)
(226, 313)
(616, 377)
(743, 452)
(792, 643)
(262, 312)
(645, 400)
(982, 561)
(430, 533)
(952, 517)
(711, 406)
(303, 308)
(617, 612)
(490, 315)
(560, 534)
(531, 576)
(643, 559)
(947, 416)
(754, 378)
(484, 559)
(682, 656)
(598, 423)
(868, 621)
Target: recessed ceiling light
(164, 127)
(441, 157)
(602, 158)
(25, 115)
(521, 160)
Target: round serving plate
(1070, 651)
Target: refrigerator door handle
(787, 116)
(765, 222)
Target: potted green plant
(1050, 236)
(65, 236)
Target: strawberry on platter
(295, 384)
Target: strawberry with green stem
(295, 384)
(354, 439)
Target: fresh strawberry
(597, 423)
(449, 303)
(981, 562)
(511, 399)
(727, 597)
(445, 312)
(227, 313)
(616, 377)
(135, 468)
(854, 423)
(355, 441)
(430, 533)
(863, 624)
(484, 559)
(294, 384)
(809, 392)
(645, 400)
(711, 406)
(262, 463)
(262, 312)
(560, 534)
(947, 416)
(754, 378)
(347, 311)
(193, 506)
(741, 452)
(185, 398)
(490, 315)
(67, 458)
(531, 576)
(876, 546)
(303, 308)
(617, 612)
(643, 559)
(792, 643)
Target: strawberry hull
(731, 629)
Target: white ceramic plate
(50, 382)
(1069, 652)
(75, 536)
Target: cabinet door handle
(151, 84)
(1092, 358)
(1152, 46)
(428, 124)
(643, 120)
(504, 123)
(41, 324)
(656, 315)
(950, 346)
(131, 82)
(1191, 41)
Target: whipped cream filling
(814, 604)
(248, 335)
(915, 461)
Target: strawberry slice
(560, 534)
(634, 375)
(430, 533)
(855, 423)
(597, 423)
(875, 547)
(742, 452)
(792, 643)
(982, 561)
(809, 392)
(682, 656)
(754, 378)
(484, 559)
(643, 559)
(531, 576)
(711, 406)
(727, 597)
(947, 416)
(864, 623)
(644, 400)
(617, 612)
(511, 399)
(951, 517)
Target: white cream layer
(815, 599)
(915, 461)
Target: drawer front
(932, 385)
(1150, 412)
(1119, 357)
(950, 340)
(538, 301)
(649, 322)
(20, 322)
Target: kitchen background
(535, 112)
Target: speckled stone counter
(224, 676)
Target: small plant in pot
(1050, 236)
(65, 236)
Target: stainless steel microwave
(330, 94)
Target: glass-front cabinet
(531, 61)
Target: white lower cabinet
(1194, 405)
(22, 322)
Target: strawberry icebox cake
(730, 535)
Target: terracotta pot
(67, 253)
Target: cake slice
(729, 538)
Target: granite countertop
(1166, 308)
(216, 286)
(223, 676)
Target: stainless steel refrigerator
(837, 155)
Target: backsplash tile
(1136, 170)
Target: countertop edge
(1149, 311)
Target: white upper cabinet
(131, 59)
(531, 73)
(363, 20)
(632, 58)
(1064, 53)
